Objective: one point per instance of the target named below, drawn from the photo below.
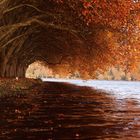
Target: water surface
(66, 111)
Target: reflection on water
(65, 111)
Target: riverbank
(22, 86)
(12, 85)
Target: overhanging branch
(30, 6)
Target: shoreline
(13, 86)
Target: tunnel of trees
(69, 35)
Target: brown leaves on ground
(14, 85)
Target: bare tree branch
(30, 6)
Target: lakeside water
(118, 89)
(120, 107)
(67, 110)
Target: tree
(82, 35)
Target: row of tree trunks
(12, 70)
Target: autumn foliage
(115, 26)
(78, 35)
